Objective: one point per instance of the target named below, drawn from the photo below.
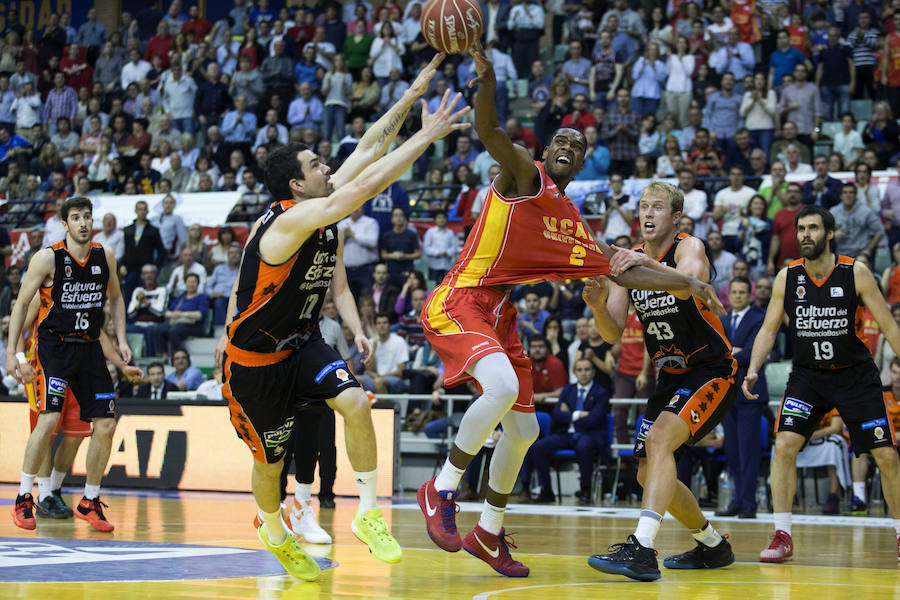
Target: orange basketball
(452, 26)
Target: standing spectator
(648, 73)
(278, 72)
(547, 371)
(197, 26)
(337, 87)
(135, 70)
(621, 129)
(505, 71)
(306, 110)
(823, 190)
(357, 46)
(392, 91)
(617, 210)
(526, 26)
(606, 73)
(178, 97)
(758, 110)
(360, 249)
(728, 208)
(703, 158)
(696, 202)
(863, 42)
(596, 157)
(689, 130)
(784, 232)
(722, 260)
(857, 227)
(629, 21)
(802, 104)
(743, 420)
(384, 370)
(679, 86)
(385, 53)
(142, 246)
(784, 59)
(735, 57)
(27, 108)
(219, 285)
(384, 294)
(177, 175)
(399, 247)
(576, 69)
(722, 114)
(440, 245)
(835, 75)
(211, 98)
(160, 44)
(239, 125)
(172, 229)
(247, 82)
(740, 153)
(62, 101)
(325, 50)
(112, 237)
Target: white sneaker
(303, 523)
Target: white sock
(56, 479)
(366, 483)
(648, 526)
(859, 490)
(707, 535)
(492, 518)
(302, 493)
(448, 478)
(783, 522)
(44, 488)
(274, 528)
(26, 483)
(897, 526)
(91, 491)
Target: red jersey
(632, 342)
(527, 240)
(743, 15)
(798, 38)
(552, 375)
(893, 60)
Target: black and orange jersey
(278, 305)
(826, 317)
(679, 334)
(73, 305)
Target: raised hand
(444, 120)
(420, 85)
(595, 291)
(483, 67)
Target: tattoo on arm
(389, 130)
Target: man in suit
(742, 421)
(384, 294)
(578, 423)
(143, 245)
(156, 388)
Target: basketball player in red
(822, 294)
(695, 386)
(528, 231)
(74, 278)
(274, 355)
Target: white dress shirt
(362, 248)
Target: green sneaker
(292, 557)
(371, 530)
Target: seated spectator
(792, 162)
(147, 306)
(399, 247)
(221, 281)
(465, 154)
(858, 230)
(596, 157)
(201, 167)
(789, 137)
(365, 95)
(384, 371)
(848, 142)
(211, 389)
(882, 135)
(578, 423)
(185, 377)
(557, 344)
(195, 242)
(828, 448)
(178, 279)
(729, 205)
(723, 260)
(219, 253)
(756, 234)
(531, 321)
(547, 371)
(156, 387)
(415, 280)
(145, 177)
(703, 158)
(112, 236)
(185, 318)
(824, 190)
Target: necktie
(579, 405)
(734, 321)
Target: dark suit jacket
(387, 301)
(743, 338)
(149, 250)
(830, 197)
(596, 402)
(144, 390)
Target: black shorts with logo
(77, 365)
(855, 392)
(700, 396)
(263, 398)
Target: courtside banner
(189, 447)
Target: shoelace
(449, 508)
(27, 507)
(776, 539)
(96, 505)
(379, 527)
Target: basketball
(452, 26)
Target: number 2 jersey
(679, 334)
(278, 305)
(826, 317)
(73, 306)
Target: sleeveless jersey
(893, 60)
(527, 240)
(825, 317)
(278, 305)
(73, 306)
(679, 334)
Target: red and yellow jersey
(893, 60)
(743, 15)
(527, 240)
(798, 38)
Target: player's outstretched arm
(609, 304)
(346, 305)
(116, 304)
(765, 339)
(287, 231)
(515, 161)
(868, 291)
(381, 134)
(40, 268)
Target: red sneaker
(494, 550)
(440, 509)
(92, 512)
(780, 549)
(23, 512)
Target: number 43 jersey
(278, 305)
(679, 334)
(825, 317)
(73, 306)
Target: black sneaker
(629, 559)
(702, 557)
(62, 503)
(53, 507)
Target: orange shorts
(465, 324)
(70, 422)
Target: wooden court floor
(202, 545)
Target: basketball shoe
(303, 522)
(372, 531)
(780, 549)
(857, 507)
(292, 557)
(440, 509)
(23, 511)
(92, 512)
(53, 507)
(494, 550)
(630, 559)
(703, 557)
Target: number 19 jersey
(679, 334)
(826, 317)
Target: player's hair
(812, 209)
(75, 202)
(739, 280)
(282, 166)
(577, 131)
(666, 191)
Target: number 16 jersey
(73, 306)
(679, 334)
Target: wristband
(20, 356)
